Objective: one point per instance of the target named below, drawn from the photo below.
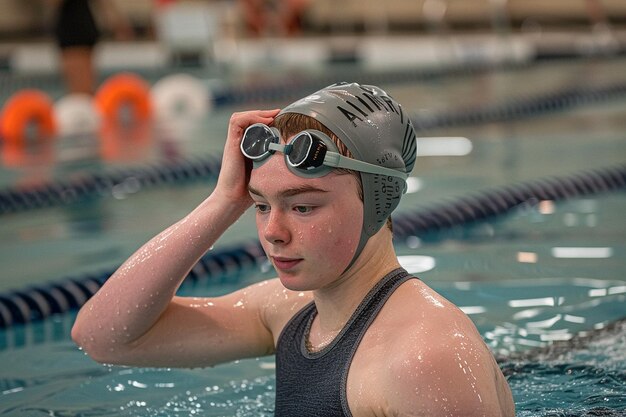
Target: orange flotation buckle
(124, 99)
(27, 116)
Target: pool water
(588, 380)
(544, 284)
(521, 309)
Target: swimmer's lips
(285, 264)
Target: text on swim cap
(386, 196)
(387, 156)
(365, 106)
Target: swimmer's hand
(232, 183)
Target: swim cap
(375, 129)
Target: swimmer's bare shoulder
(431, 358)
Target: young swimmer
(353, 333)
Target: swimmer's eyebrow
(290, 192)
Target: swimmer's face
(309, 228)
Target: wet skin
(421, 355)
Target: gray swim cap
(375, 129)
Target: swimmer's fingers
(240, 121)
(235, 171)
(238, 124)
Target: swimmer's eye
(303, 209)
(262, 208)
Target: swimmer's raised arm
(135, 318)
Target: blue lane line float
(498, 201)
(521, 107)
(89, 186)
(38, 302)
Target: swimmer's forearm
(136, 295)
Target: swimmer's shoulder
(414, 305)
(419, 318)
(435, 352)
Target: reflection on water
(444, 146)
(582, 253)
(515, 316)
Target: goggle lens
(256, 141)
(306, 152)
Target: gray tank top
(314, 383)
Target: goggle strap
(279, 147)
(338, 161)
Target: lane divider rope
(92, 185)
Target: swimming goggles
(309, 154)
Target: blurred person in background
(76, 33)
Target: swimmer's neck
(336, 303)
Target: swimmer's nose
(275, 230)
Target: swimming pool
(548, 274)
